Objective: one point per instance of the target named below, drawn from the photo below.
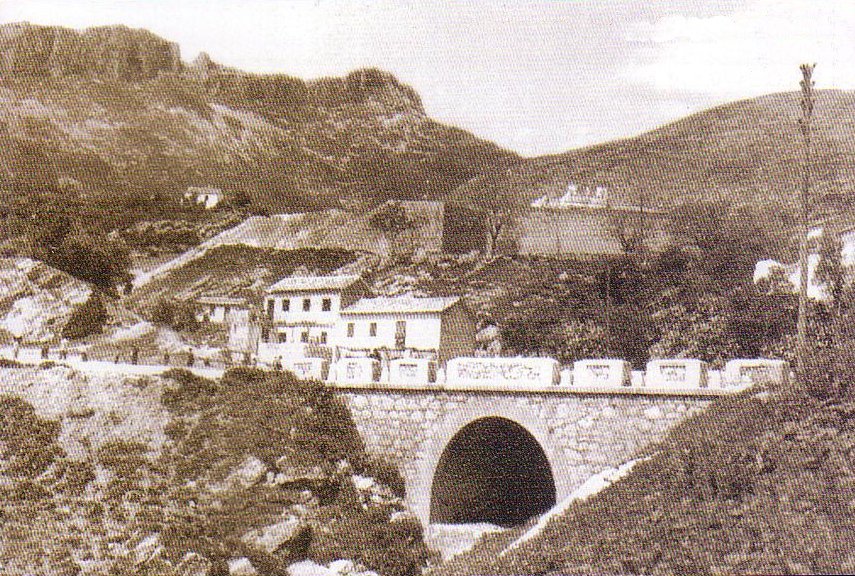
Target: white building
(441, 328)
(244, 331)
(303, 311)
(218, 309)
(792, 272)
(206, 196)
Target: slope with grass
(747, 152)
(241, 271)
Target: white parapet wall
(489, 373)
(308, 368)
(677, 374)
(412, 371)
(357, 371)
(602, 373)
(747, 372)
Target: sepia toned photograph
(427, 288)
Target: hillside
(113, 116)
(238, 270)
(747, 152)
(36, 301)
(758, 484)
(177, 475)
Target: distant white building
(792, 272)
(574, 196)
(205, 196)
(441, 328)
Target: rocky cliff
(113, 117)
(110, 52)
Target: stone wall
(580, 434)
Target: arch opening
(493, 470)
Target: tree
(494, 225)
(629, 226)
(86, 319)
(391, 219)
(807, 104)
(829, 269)
(177, 315)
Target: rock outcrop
(109, 52)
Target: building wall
(296, 314)
(243, 334)
(423, 331)
(581, 434)
(457, 333)
(216, 313)
(581, 231)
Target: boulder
(291, 472)
(193, 564)
(241, 567)
(250, 472)
(363, 483)
(272, 538)
(309, 568)
(403, 516)
(343, 567)
(148, 549)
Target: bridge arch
(513, 407)
(492, 470)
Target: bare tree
(494, 224)
(629, 226)
(807, 103)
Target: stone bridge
(504, 456)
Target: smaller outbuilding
(207, 197)
(218, 309)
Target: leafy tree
(240, 200)
(391, 219)
(86, 319)
(177, 315)
(694, 330)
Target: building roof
(400, 305)
(224, 300)
(312, 283)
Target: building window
(350, 329)
(304, 337)
(326, 304)
(323, 337)
(400, 334)
(307, 304)
(286, 304)
(372, 329)
(265, 334)
(227, 310)
(270, 307)
(283, 337)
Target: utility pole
(807, 102)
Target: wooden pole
(807, 104)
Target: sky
(537, 77)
